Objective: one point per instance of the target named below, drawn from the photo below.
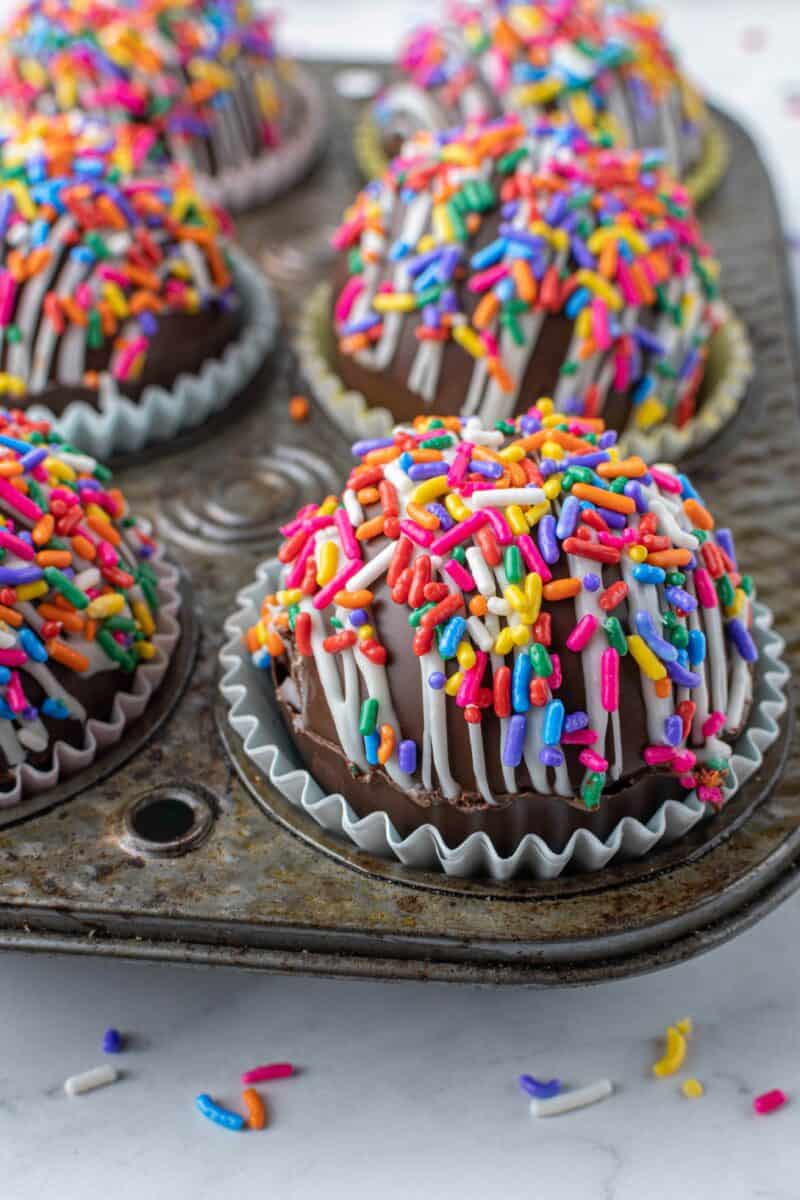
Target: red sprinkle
(302, 634)
(767, 1102)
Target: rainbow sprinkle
(77, 594)
(92, 259)
(479, 236)
(514, 550)
(205, 77)
(605, 65)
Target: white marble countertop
(410, 1090)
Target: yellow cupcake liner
(729, 371)
(700, 182)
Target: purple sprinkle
(607, 439)
(742, 640)
(614, 520)
(439, 510)
(407, 756)
(427, 470)
(725, 540)
(515, 740)
(366, 447)
(587, 460)
(575, 721)
(673, 730)
(546, 537)
(680, 675)
(437, 680)
(633, 490)
(538, 1088)
(568, 519)
(550, 756)
(529, 424)
(489, 470)
(359, 617)
(591, 581)
(20, 575)
(680, 598)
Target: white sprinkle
(89, 1080)
(357, 83)
(353, 509)
(577, 1098)
(498, 606)
(480, 634)
(501, 497)
(480, 572)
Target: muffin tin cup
(728, 375)
(262, 179)
(255, 716)
(703, 179)
(68, 761)
(123, 426)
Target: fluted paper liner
(255, 716)
(127, 706)
(728, 374)
(124, 426)
(278, 169)
(703, 178)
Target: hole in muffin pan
(168, 820)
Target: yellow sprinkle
(692, 1089)
(145, 650)
(456, 507)
(144, 617)
(290, 596)
(430, 489)
(650, 412)
(516, 519)
(520, 635)
(582, 110)
(32, 591)
(637, 553)
(733, 610)
(503, 642)
(60, 470)
(535, 513)
(534, 95)
(394, 302)
(599, 287)
(328, 561)
(426, 243)
(649, 665)
(442, 225)
(453, 684)
(552, 450)
(469, 339)
(512, 453)
(545, 405)
(583, 324)
(365, 632)
(328, 507)
(552, 487)
(685, 1026)
(116, 299)
(466, 656)
(105, 606)
(516, 597)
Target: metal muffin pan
(173, 856)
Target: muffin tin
(170, 857)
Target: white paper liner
(255, 716)
(731, 359)
(123, 426)
(127, 705)
(261, 179)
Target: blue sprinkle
(553, 723)
(520, 683)
(219, 1115)
(645, 573)
(359, 617)
(697, 647)
(426, 470)
(538, 1088)
(32, 646)
(725, 541)
(742, 640)
(591, 581)
(451, 635)
(646, 629)
(371, 743)
(112, 1041)
(59, 711)
(680, 675)
(261, 659)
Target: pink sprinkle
(298, 568)
(554, 680)
(609, 680)
(347, 537)
(16, 545)
(582, 633)
(326, 594)
(500, 526)
(706, 592)
(532, 558)
(667, 483)
(468, 691)
(767, 1102)
(347, 298)
(710, 796)
(713, 723)
(8, 292)
(421, 537)
(14, 499)
(459, 465)
(593, 761)
(600, 331)
(683, 761)
(15, 695)
(267, 1072)
(580, 737)
(483, 280)
(612, 539)
(658, 756)
(622, 372)
(459, 574)
(459, 532)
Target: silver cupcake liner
(124, 426)
(729, 372)
(127, 707)
(255, 716)
(259, 180)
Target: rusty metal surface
(266, 893)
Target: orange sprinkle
(378, 457)
(72, 621)
(561, 589)
(90, 629)
(611, 500)
(425, 455)
(360, 599)
(104, 529)
(486, 311)
(698, 514)
(256, 1112)
(299, 408)
(43, 530)
(10, 467)
(524, 279)
(83, 547)
(669, 558)
(11, 616)
(368, 495)
(427, 520)
(633, 467)
(54, 558)
(663, 687)
(478, 606)
(500, 375)
(386, 744)
(66, 655)
(370, 529)
(274, 644)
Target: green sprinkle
(512, 564)
(416, 616)
(726, 591)
(747, 585)
(615, 634)
(58, 580)
(118, 654)
(592, 788)
(369, 716)
(437, 443)
(540, 661)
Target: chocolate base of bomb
(183, 343)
